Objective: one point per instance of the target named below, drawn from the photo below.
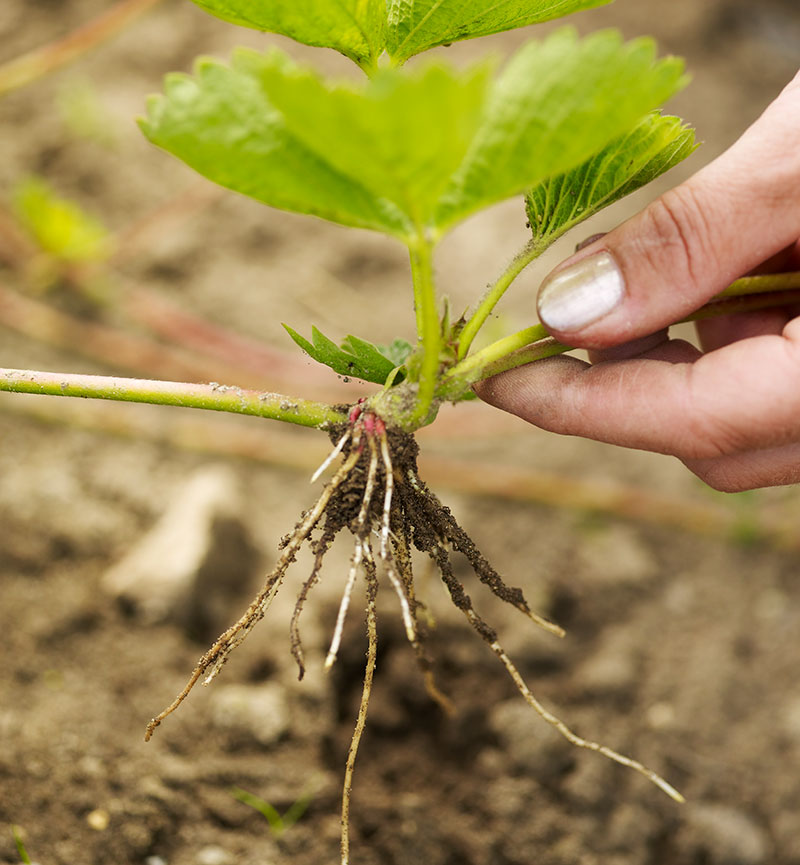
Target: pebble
(722, 835)
(533, 745)
(616, 556)
(192, 561)
(259, 713)
(611, 667)
(98, 819)
(214, 855)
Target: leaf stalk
(213, 396)
(521, 260)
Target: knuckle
(678, 219)
(707, 434)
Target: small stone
(196, 556)
(660, 716)
(791, 718)
(533, 745)
(611, 668)
(213, 855)
(721, 835)
(259, 713)
(98, 819)
(616, 555)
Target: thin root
(463, 602)
(320, 548)
(217, 655)
(361, 720)
(464, 544)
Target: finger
(771, 467)
(689, 244)
(740, 398)
(715, 333)
(785, 261)
(635, 348)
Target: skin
(730, 411)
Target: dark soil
(681, 651)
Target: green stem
(428, 330)
(520, 261)
(525, 346)
(534, 343)
(760, 284)
(214, 397)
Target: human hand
(731, 412)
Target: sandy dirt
(681, 649)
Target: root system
(377, 496)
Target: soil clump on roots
(377, 496)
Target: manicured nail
(581, 293)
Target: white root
(387, 498)
(358, 552)
(386, 555)
(331, 456)
(344, 604)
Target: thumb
(689, 244)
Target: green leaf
(402, 135)
(416, 25)
(222, 124)
(356, 357)
(657, 144)
(556, 103)
(60, 227)
(352, 27)
(397, 351)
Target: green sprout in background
(279, 824)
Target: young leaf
(401, 134)
(222, 124)
(352, 27)
(356, 357)
(629, 162)
(397, 351)
(556, 103)
(416, 25)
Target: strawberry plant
(569, 124)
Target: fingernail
(581, 293)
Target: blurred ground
(680, 650)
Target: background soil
(681, 650)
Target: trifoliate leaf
(356, 357)
(60, 227)
(401, 135)
(352, 27)
(408, 153)
(628, 163)
(556, 103)
(416, 25)
(222, 124)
